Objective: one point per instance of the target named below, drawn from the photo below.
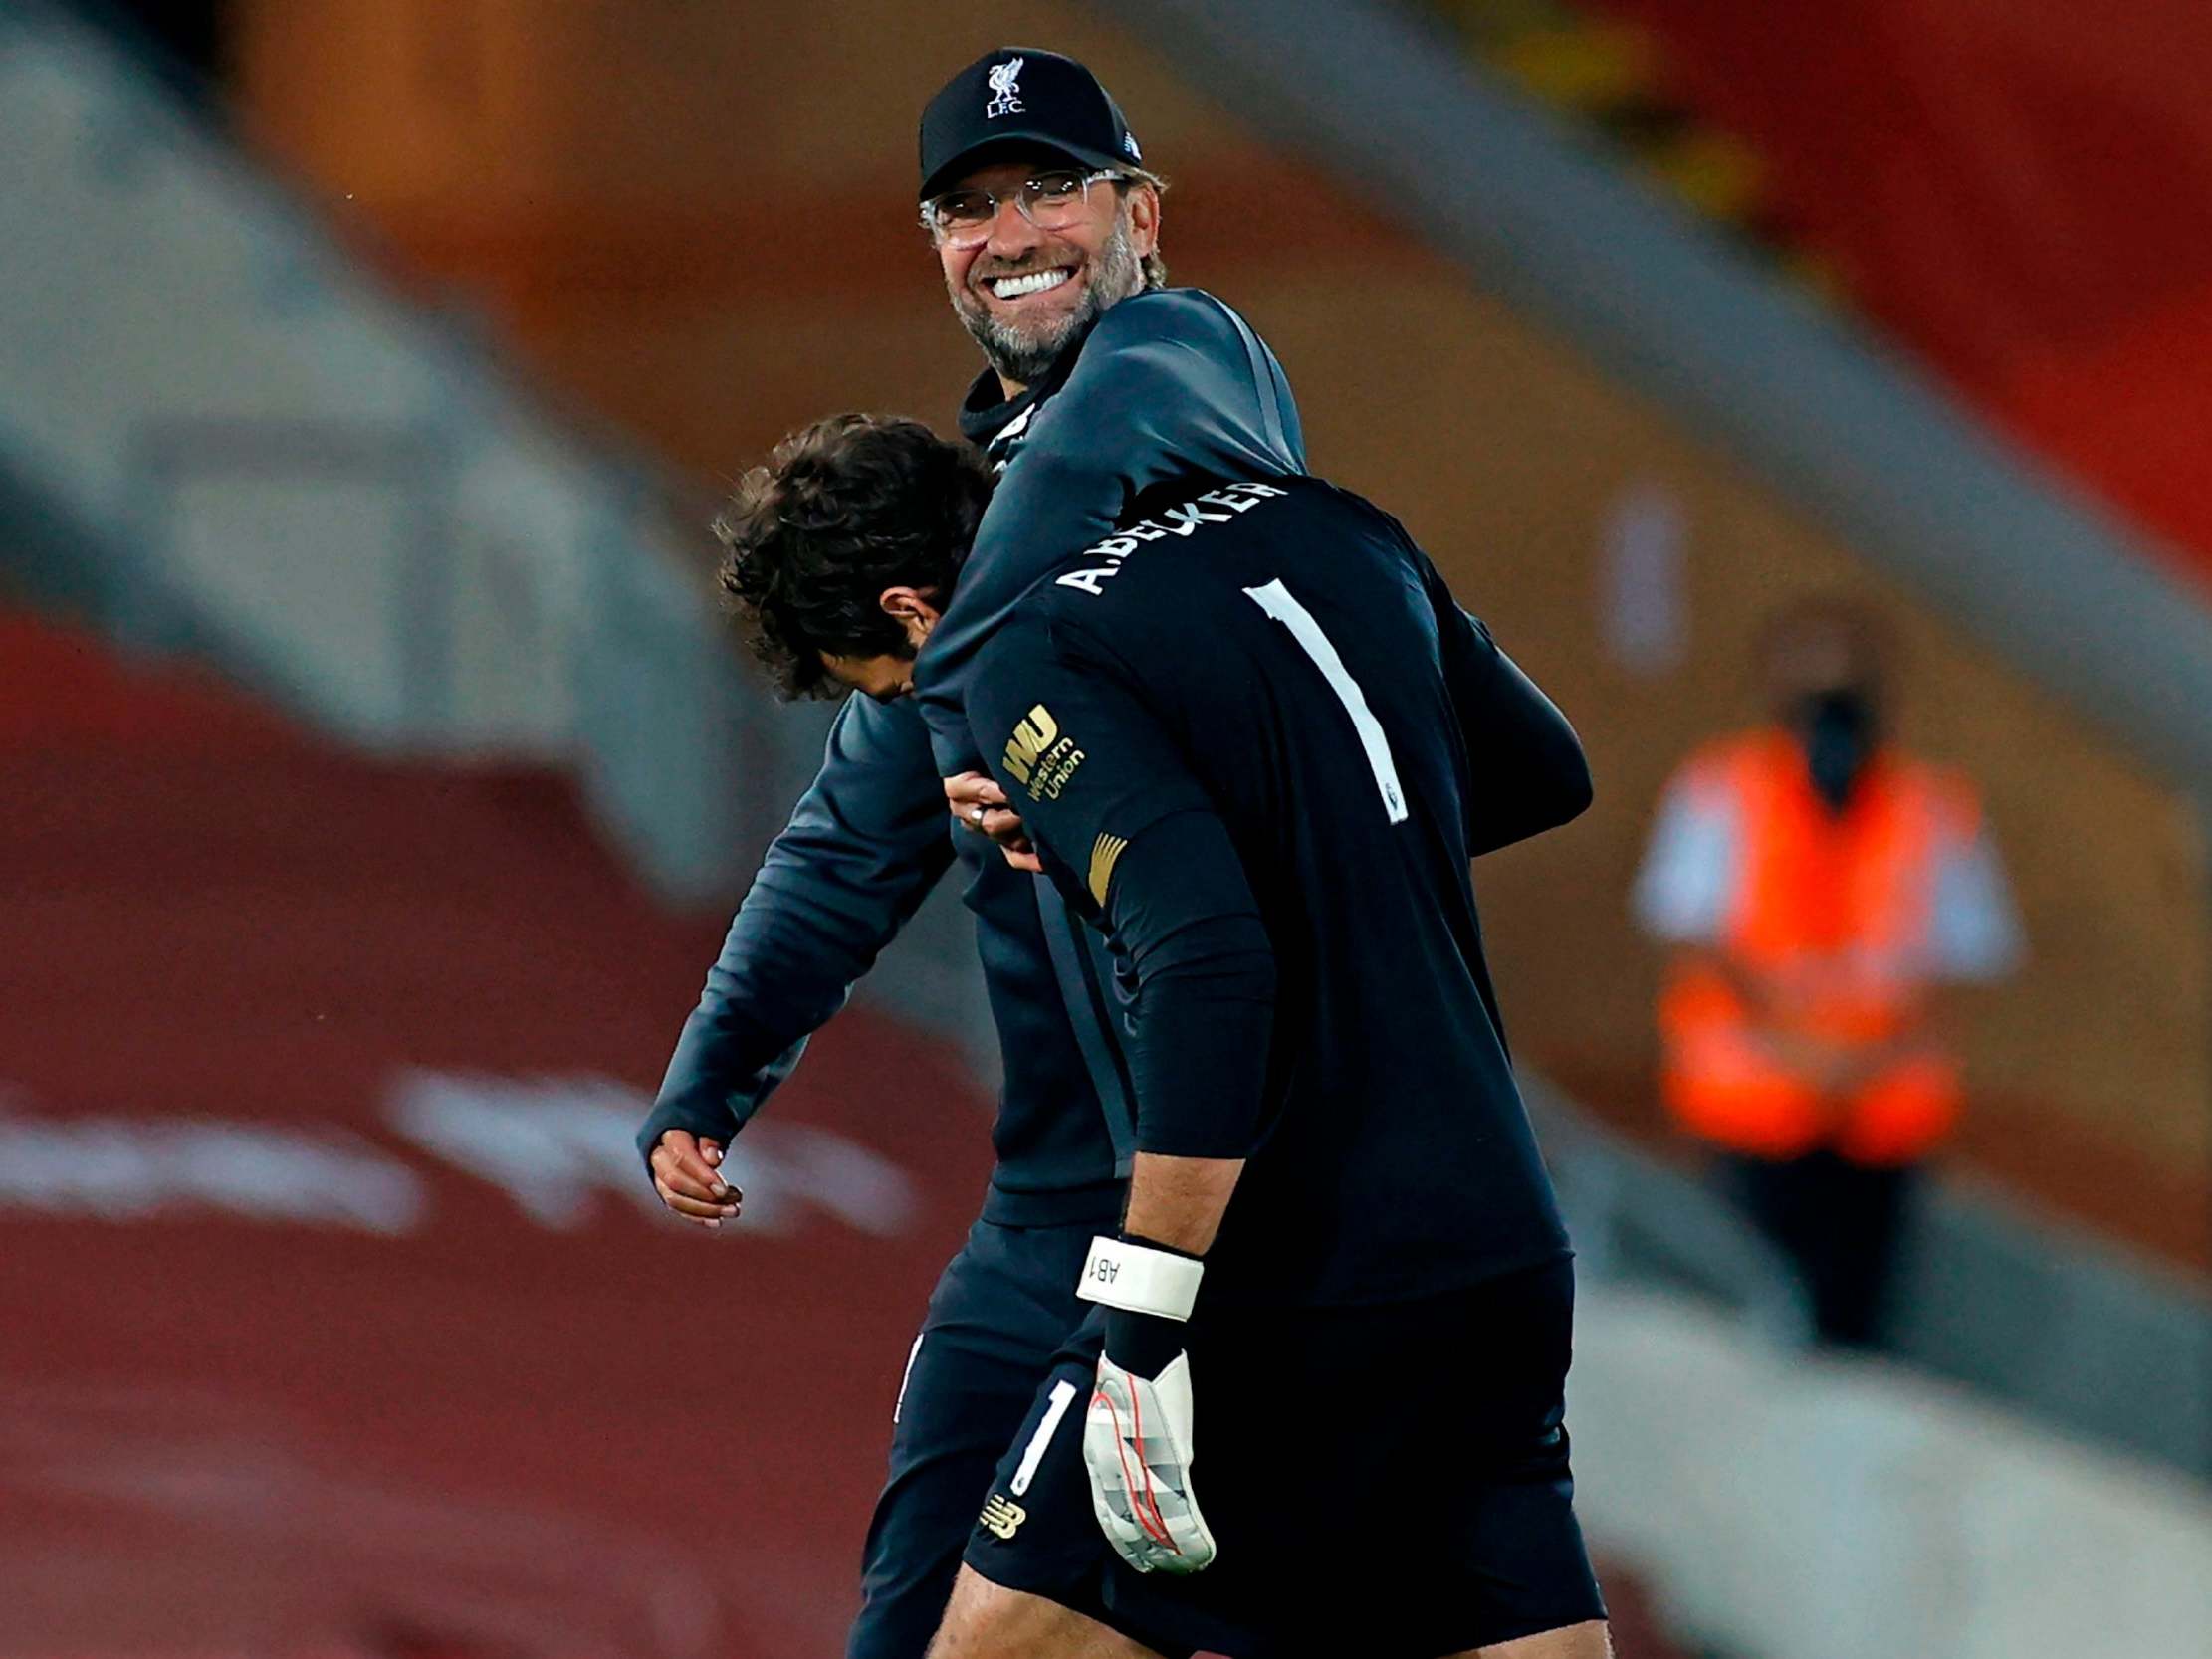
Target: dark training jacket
(1169, 384)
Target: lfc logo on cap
(1005, 90)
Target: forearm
(863, 848)
(716, 1079)
(1932, 1028)
(1528, 770)
(1183, 912)
(1157, 862)
(810, 927)
(1530, 775)
(1180, 1201)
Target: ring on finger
(975, 817)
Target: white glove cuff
(1140, 1279)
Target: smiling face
(1026, 293)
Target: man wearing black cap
(1042, 135)
(1101, 384)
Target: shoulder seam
(1263, 380)
(1255, 359)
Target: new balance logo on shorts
(1002, 1516)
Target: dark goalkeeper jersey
(1258, 742)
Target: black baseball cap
(1021, 96)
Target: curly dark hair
(844, 508)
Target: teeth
(1012, 287)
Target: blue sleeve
(1974, 927)
(1170, 384)
(1686, 887)
(866, 843)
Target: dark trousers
(1840, 1224)
(999, 1315)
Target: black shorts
(1390, 1481)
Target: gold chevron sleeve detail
(1105, 854)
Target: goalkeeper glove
(1137, 1441)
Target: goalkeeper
(1256, 744)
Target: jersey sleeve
(1131, 836)
(1526, 770)
(866, 843)
(1170, 384)
(1974, 927)
(1687, 888)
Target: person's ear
(912, 609)
(1143, 219)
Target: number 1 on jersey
(1276, 601)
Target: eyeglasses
(1051, 201)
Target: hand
(685, 1175)
(1823, 1065)
(1137, 1447)
(999, 821)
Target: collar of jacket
(984, 413)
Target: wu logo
(1005, 90)
(1031, 738)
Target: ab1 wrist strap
(1140, 1279)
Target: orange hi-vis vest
(1829, 921)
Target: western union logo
(1003, 1517)
(1105, 854)
(1031, 738)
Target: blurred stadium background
(378, 777)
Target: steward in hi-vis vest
(1830, 926)
(1818, 890)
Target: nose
(1011, 234)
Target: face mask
(1838, 729)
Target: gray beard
(1025, 359)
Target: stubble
(1025, 357)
